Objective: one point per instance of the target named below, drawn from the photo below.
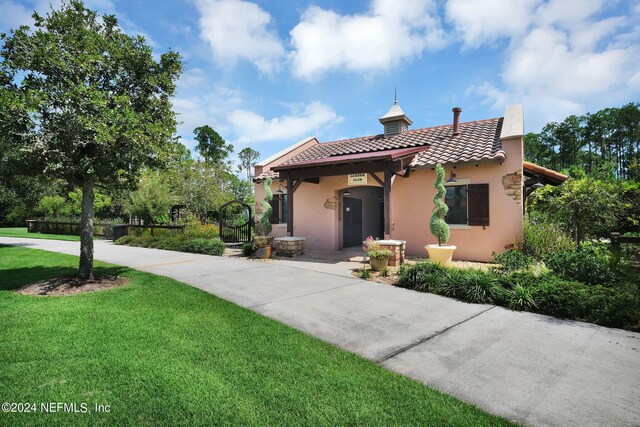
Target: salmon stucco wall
(412, 204)
(317, 212)
(317, 209)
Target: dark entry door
(351, 222)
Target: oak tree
(88, 102)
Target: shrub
(414, 275)
(364, 273)
(248, 249)
(590, 263)
(512, 260)
(541, 239)
(480, 287)
(264, 227)
(178, 243)
(437, 225)
(203, 246)
(201, 230)
(614, 306)
(379, 253)
(617, 307)
(139, 231)
(452, 284)
(124, 240)
(521, 298)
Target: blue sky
(267, 74)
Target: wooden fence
(156, 227)
(617, 239)
(104, 231)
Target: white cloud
(390, 32)
(237, 29)
(485, 21)
(250, 127)
(565, 59)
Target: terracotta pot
(440, 254)
(379, 264)
(263, 252)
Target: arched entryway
(362, 214)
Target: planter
(440, 254)
(263, 240)
(379, 264)
(263, 252)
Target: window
(456, 199)
(468, 204)
(279, 206)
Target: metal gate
(235, 222)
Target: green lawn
(159, 352)
(22, 232)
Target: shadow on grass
(17, 277)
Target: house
(335, 194)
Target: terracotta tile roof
(350, 158)
(553, 177)
(479, 141)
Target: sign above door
(357, 179)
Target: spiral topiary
(265, 223)
(437, 224)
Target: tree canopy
(87, 102)
(211, 145)
(590, 141)
(248, 157)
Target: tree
(151, 201)
(88, 101)
(211, 145)
(585, 207)
(437, 224)
(264, 226)
(248, 156)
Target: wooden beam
(315, 180)
(296, 185)
(378, 180)
(341, 169)
(290, 191)
(387, 200)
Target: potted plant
(263, 238)
(441, 254)
(378, 257)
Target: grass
(159, 352)
(22, 232)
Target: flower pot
(263, 252)
(379, 264)
(440, 254)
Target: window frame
(279, 211)
(459, 183)
(478, 190)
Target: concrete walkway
(533, 369)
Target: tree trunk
(86, 231)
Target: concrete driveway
(533, 369)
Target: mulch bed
(70, 285)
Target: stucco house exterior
(335, 194)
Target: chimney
(456, 120)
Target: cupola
(395, 121)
